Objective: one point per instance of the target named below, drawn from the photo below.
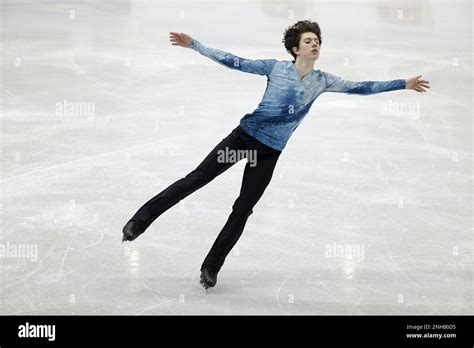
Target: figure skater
(292, 87)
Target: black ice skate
(208, 278)
(131, 231)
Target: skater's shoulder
(324, 74)
(278, 65)
(286, 64)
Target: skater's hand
(417, 84)
(180, 39)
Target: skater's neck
(303, 66)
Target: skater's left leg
(205, 172)
(254, 183)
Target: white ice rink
(370, 206)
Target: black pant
(256, 178)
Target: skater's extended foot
(131, 231)
(208, 278)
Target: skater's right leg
(205, 172)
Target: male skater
(292, 87)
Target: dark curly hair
(292, 34)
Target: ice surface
(370, 207)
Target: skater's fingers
(423, 85)
(175, 40)
(177, 37)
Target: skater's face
(309, 47)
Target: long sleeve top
(287, 98)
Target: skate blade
(124, 238)
(204, 285)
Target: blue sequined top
(287, 99)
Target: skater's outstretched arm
(258, 66)
(336, 84)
